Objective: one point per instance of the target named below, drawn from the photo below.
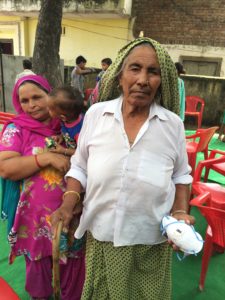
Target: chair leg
(192, 162)
(206, 169)
(206, 174)
(206, 153)
(199, 122)
(207, 252)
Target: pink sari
(40, 196)
(41, 192)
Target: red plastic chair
(216, 190)
(215, 233)
(192, 108)
(6, 292)
(5, 117)
(201, 145)
(218, 167)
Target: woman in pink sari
(24, 156)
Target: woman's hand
(190, 220)
(71, 205)
(64, 213)
(65, 151)
(58, 139)
(58, 149)
(58, 161)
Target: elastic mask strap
(180, 258)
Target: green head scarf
(109, 88)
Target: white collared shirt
(128, 189)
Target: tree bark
(46, 59)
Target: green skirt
(127, 273)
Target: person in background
(106, 62)
(221, 135)
(24, 156)
(132, 163)
(181, 70)
(77, 75)
(27, 66)
(66, 103)
(93, 98)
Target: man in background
(27, 69)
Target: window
(208, 66)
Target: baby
(66, 104)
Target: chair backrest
(215, 217)
(205, 135)
(5, 117)
(206, 163)
(192, 103)
(6, 114)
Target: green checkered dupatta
(169, 81)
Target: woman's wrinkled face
(33, 101)
(140, 78)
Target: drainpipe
(2, 79)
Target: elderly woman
(132, 163)
(24, 156)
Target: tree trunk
(46, 60)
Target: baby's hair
(71, 101)
(107, 61)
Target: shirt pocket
(155, 169)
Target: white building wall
(176, 51)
